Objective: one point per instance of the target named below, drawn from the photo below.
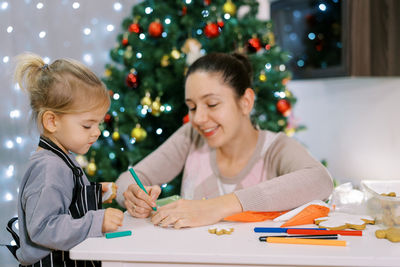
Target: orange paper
(254, 216)
(307, 215)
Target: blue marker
(139, 183)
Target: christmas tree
(146, 78)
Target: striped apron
(85, 198)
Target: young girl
(58, 207)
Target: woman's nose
(199, 116)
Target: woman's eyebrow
(204, 96)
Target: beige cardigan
(281, 174)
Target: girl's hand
(192, 213)
(105, 188)
(138, 203)
(112, 220)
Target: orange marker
(303, 241)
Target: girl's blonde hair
(66, 86)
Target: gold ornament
(91, 168)
(165, 61)
(115, 135)
(271, 38)
(290, 131)
(262, 77)
(175, 53)
(229, 7)
(192, 49)
(281, 122)
(155, 107)
(190, 45)
(146, 100)
(82, 160)
(138, 133)
(241, 49)
(107, 73)
(128, 54)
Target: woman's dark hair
(235, 69)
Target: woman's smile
(210, 131)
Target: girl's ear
(49, 120)
(247, 101)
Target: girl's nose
(97, 132)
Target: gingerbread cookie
(220, 231)
(391, 234)
(110, 194)
(341, 221)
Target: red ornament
(155, 29)
(107, 118)
(283, 106)
(268, 47)
(135, 27)
(207, 2)
(254, 44)
(125, 41)
(184, 10)
(221, 23)
(132, 79)
(186, 119)
(285, 81)
(211, 30)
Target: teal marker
(118, 234)
(139, 183)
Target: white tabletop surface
(151, 245)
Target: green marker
(164, 201)
(118, 234)
(139, 183)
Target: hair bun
(245, 62)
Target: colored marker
(306, 241)
(279, 229)
(324, 232)
(264, 238)
(118, 234)
(139, 183)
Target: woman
(229, 165)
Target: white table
(155, 246)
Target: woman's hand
(138, 203)
(192, 213)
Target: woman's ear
(49, 120)
(247, 101)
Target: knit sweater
(280, 175)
